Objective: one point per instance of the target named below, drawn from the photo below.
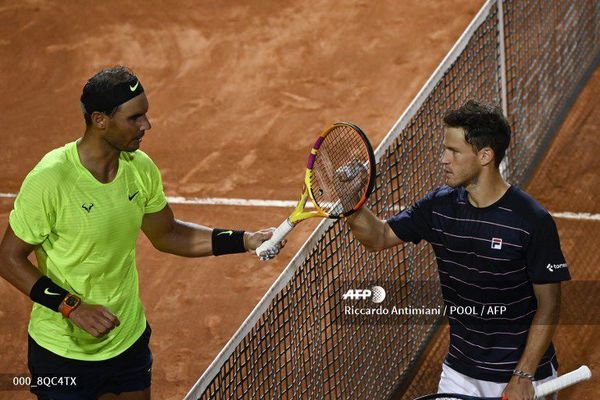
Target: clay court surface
(237, 91)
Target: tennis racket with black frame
(580, 374)
(339, 178)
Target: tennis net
(530, 56)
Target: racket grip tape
(280, 233)
(580, 374)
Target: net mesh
(298, 343)
(549, 47)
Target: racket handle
(280, 233)
(580, 374)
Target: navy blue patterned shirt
(488, 260)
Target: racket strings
(341, 171)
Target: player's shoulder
(525, 205)
(138, 158)
(53, 166)
(440, 198)
(445, 191)
(142, 167)
(443, 194)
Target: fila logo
(87, 208)
(496, 243)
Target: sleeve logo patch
(554, 267)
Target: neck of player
(486, 188)
(98, 157)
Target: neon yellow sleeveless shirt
(87, 232)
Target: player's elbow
(548, 315)
(373, 249)
(548, 303)
(549, 311)
(160, 246)
(376, 241)
(372, 245)
(161, 242)
(4, 263)
(10, 259)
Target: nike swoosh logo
(133, 195)
(47, 291)
(132, 88)
(225, 233)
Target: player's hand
(94, 319)
(352, 170)
(252, 240)
(519, 389)
(357, 175)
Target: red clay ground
(237, 92)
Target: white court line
(216, 201)
(578, 216)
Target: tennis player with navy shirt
(497, 249)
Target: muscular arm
(540, 335)
(373, 233)
(543, 326)
(15, 267)
(170, 235)
(187, 239)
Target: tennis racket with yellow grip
(339, 178)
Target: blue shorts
(58, 378)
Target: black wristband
(47, 293)
(227, 242)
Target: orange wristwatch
(69, 303)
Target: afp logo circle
(377, 294)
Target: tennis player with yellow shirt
(80, 210)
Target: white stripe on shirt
(480, 221)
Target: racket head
(340, 173)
